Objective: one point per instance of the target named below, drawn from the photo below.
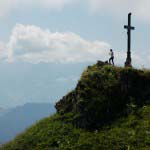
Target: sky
(74, 33)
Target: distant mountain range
(14, 121)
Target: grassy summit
(108, 110)
(105, 93)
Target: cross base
(128, 62)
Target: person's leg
(112, 60)
(109, 60)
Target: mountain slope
(53, 134)
(18, 119)
(105, 93)
(109, 109)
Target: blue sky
(91, 20)
(66, 32)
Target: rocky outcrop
(105, 93)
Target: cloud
(32, 44)
(7, 6)
(67, 79)
(117, 7)
(110, 7)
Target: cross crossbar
(127, 27)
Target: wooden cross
(129, 29)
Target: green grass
(105, 93)
(53, 134)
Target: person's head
(111, 50)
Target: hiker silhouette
(111, 59)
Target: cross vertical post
(129, 28)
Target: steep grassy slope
(108, 110)
(53, 134)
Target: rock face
(105, 93)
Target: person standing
(111, 59)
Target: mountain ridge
(108, 109)
(16, 120)
(103, 93)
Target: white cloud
(7, 6)
(67, 79)
(33, 44)
(29, 43)
(141, 8)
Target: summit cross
(129, 28)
